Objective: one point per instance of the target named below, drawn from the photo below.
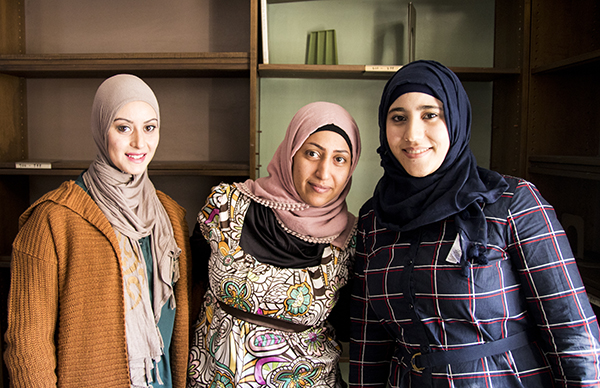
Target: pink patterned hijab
(331, 223)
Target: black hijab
(458, 188)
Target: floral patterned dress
(230, 352)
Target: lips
(416, 152)
(319, 189)
(136, 158)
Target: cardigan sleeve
(371, 347)
(32, 309)
(553, 289)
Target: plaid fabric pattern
(408, 298)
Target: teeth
(416, 151)
(135, 156)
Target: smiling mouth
(136, 157)
(319, 189)
(416, 152)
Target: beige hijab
(131, 205)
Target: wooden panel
(253, 148)
(362, 72)
(75, 167)
(563, 29)
(508, 134)
(563, 114)
(511, 27)
(12, 27)
(565, 194)
(13, 129)
(233, 64)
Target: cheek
(113, 146)
(296, 174)
(392, 135)
(153, 143)
(341, 179)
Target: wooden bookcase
(535, 86)
(198, 56)
(485, 42)
(563, 142)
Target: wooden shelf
(75, 167)
(359, 72)
(582, 167)
(220, 64)
(585, 62)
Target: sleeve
(553, 288)
(214, 212)
(371, 347)
(32, 310)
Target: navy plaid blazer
(409, 297)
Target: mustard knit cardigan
(66, 320)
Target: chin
(135, 171)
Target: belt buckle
(413, 363)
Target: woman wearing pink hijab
(280, 250)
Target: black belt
(261, 320)
(421, 361)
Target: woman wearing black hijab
(464, 277)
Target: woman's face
(321, 168)
(133, 137)
(417, 134)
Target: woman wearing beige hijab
(99, 272)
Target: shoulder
(224, 202)
(366, 208)
(225, 194)
(68, 198)
(520, 198)
(65, 216)
(519, 189)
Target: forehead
(136, 108)
(416, 100)
(327, 140)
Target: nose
(415, 130)
(323, 170)
(137, 139)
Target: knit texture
(66, 319)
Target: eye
(397, 118)
(150, 128)
(123, 128)
(312, 154)
(430, 115)
(340, 159)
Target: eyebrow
(420, 107)
(129, 121)
(322, 148)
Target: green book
(331, 48)
(321, 47)
(311, 49)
